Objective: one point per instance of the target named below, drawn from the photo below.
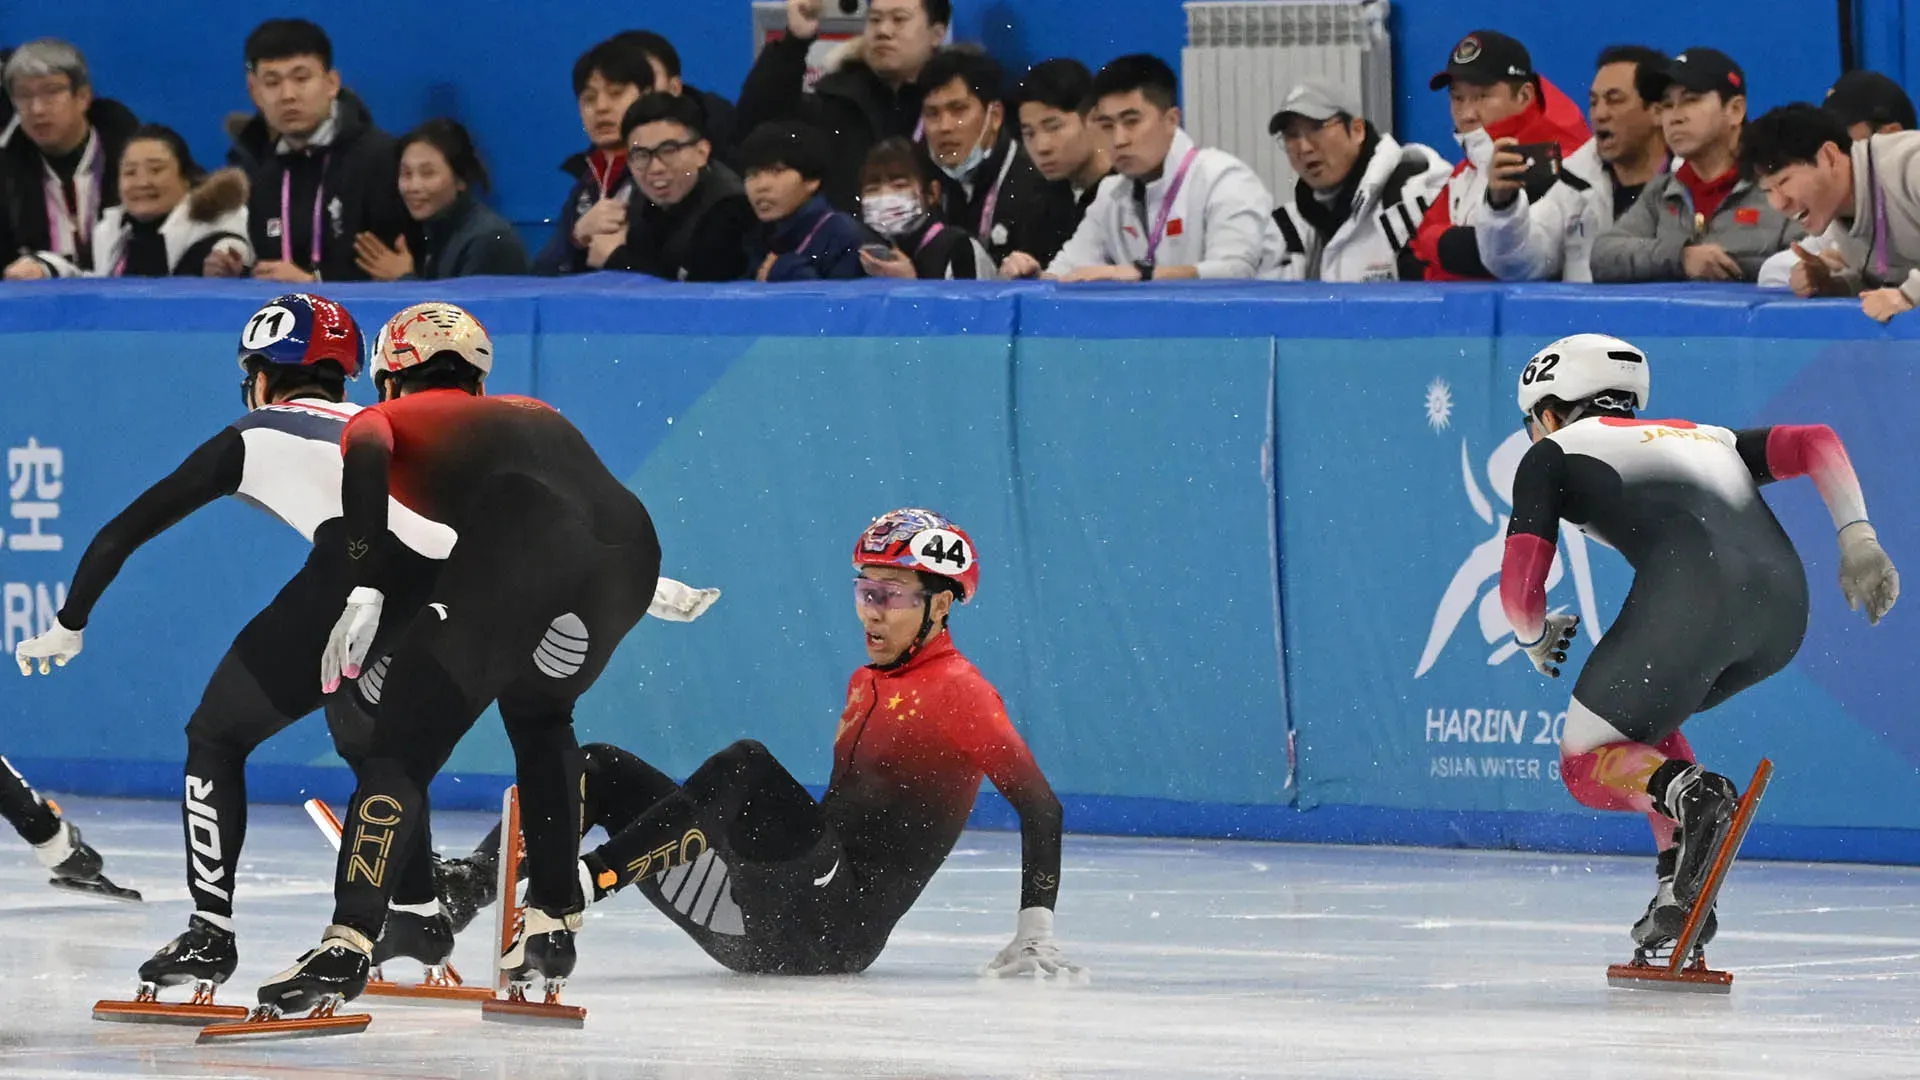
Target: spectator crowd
(911, 158)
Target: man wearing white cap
(1360, 196)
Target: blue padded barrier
(1241, 542)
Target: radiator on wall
(1242, 57)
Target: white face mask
(892, 214)
(1478, 146)
(971, 163)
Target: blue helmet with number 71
(923, 541)
(1579, 368)
(302, 330)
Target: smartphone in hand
(1543, 167)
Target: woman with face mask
(900, 203)
(171, 214)
(458, 235)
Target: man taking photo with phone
(1498, 101)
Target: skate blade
(261, 1025)
(428, 993)
(533, 1013)
(161, 1012)
(98, 887)
(1690, 980)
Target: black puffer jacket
(704, 237)
(251, 143)
(357, 178)
(851, 104)
(23, 199)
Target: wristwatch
(1145, 266)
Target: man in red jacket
(1499, 105)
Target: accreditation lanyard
(1159, 229)
(286, 213)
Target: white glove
(1033, 951)
(1867, 576)
(1550, 651)
(352, 638)
(58, 644)
(678, 602)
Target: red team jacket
(1553, 117)
(913, 745)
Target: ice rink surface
(1208, 959)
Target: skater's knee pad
(1587, 730)
(437, 709)
(1610, 777)
(388, 776)
(727, 770)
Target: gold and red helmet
(924, 541)
(425, 332)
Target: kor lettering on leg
(203, 837)
(373, 839)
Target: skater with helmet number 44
(766, 879)
(1719, 598)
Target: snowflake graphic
(1439, 405)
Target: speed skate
(441, 982)
(520, 944)
(1682, 964)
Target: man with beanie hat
(1499, 103)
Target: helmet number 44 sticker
(941, 552)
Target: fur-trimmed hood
(218, 194)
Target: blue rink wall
(1241, 544)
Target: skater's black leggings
(741, 797)
(527, 612)
(267, 680)
(745, 862)
(24, 809)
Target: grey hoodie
(1882, 241)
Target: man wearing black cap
(1869, 103)
(1857, 196)
(1360, 195)
(1703, 221)
(1498, 103)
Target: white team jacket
(1553, 239)
(1367, 245)
(1222, 221)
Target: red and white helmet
(921, 540)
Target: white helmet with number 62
(1580, 367)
